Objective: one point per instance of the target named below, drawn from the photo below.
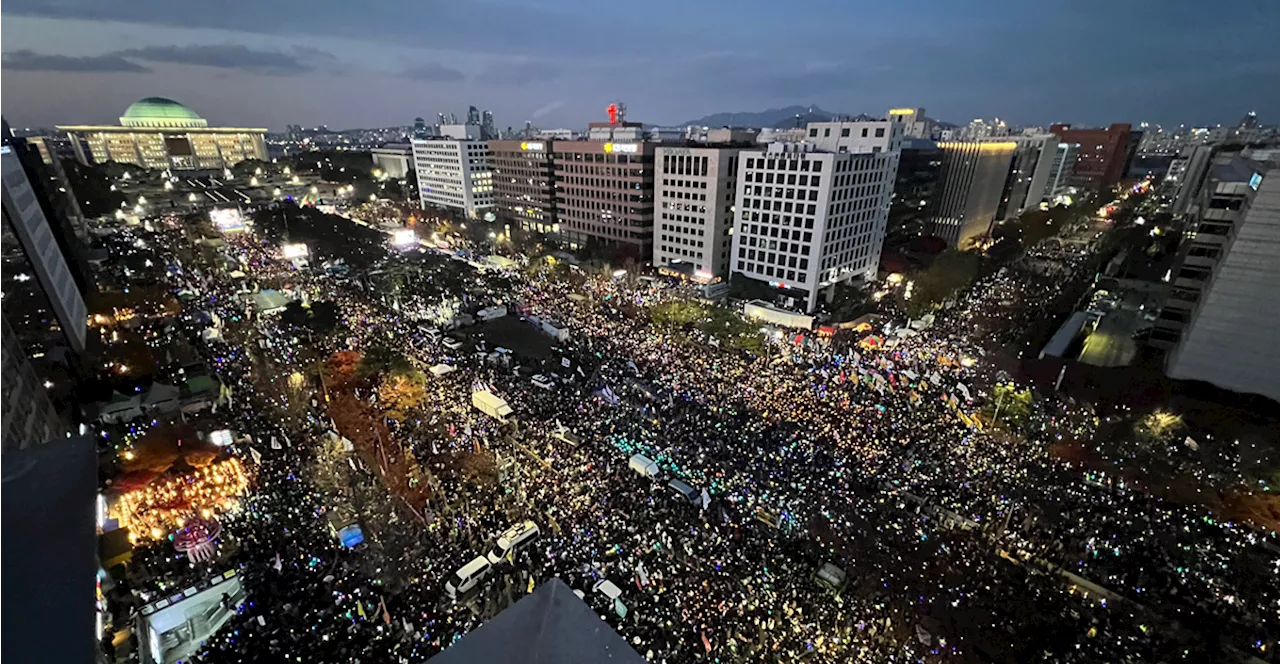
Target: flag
(706, 643)
(706, 499)
(530, 588)
(965, 391)
(277, 564)
(386, 615)
(275, 444)
(360, 609)
(257, 456)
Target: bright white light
(221, 437)
(48, 385)
(227, 219)
(22, 276)
(619, 273)
(294, 250)
(404, 237)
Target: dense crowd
(956, 543)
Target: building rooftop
(159, 107)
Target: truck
(490, 313)
(491, 404)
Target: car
(452, 343)
(544, 381)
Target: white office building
(454, 174)
(694, 191)
(1222, 316)
(857, 137)
(808, 219)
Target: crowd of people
(957, 541)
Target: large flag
(706, 643)
(386, 615)
(360, 609)
(964, 390)
(257, 456)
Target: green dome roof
(157, 108)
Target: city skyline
(80, 62)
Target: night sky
(560, 62)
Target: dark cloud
(26, 60)
(507, 27)
(520, 73)
(432, 72)
(234, 56)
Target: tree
(318, 317)
(1035, 225)
(383, 361)
(341, 367)
(92, 188)
(402, 394)
(1160, 426)
(1009, 406)
(950, 272)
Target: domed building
(156, 132)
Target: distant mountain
(780, 118)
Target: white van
(452, 344)
(543, 381)
(643, 466)
(468, 577)
(514, 538)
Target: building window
(879, 132)
(826, 133)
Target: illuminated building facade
(971, 183)
(695, 189)
(1102, 155)
(604, 192)
(454, 173)
(524, 189)
(161, 133)
(808, 219)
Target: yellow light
(128, 455)
(1000, 146)
(902, 111)
(524, 145)
(608, 147)
(895, 278)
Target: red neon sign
(613, 113)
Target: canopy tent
(551, 626)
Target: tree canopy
(951, 272)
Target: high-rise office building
(1029, 173)
(43, 301)
(1102, 155)
(420, 128)
(161, 133)
(1222, 316)
(30, 417)
(604, 190)
(972, 177)
(809, 219)
(473, 116)
(915, 124)
(524, 189)
(454, 172)
(1186, 175)
(695, 192)
(487, 130)
(919, 170)
(1060, 169)
(985, 181)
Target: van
(608, 589)
(544, 382)
(684, 491)
(452, 344)
(512, 539)
(643, 466)
(468, 577)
